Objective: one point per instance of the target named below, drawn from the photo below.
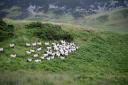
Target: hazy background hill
(21, 9)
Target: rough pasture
(100, 59)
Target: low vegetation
(48, 31)
(6, 30)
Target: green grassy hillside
(115, 20)
(100, 60)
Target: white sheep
(73, 49)
(28, 52)
(55, 48)
(62, 41)
(52, 57)
(53, 44)
(45, 55)
(34, 44)
(66, 53)
(49, 48)
(67, 47)
(46, 43)
(12, 45)
(69, 50)
(48, 58)
(53, 54)
(35, 55)
(28, 44)
(57, 54)
(77, 47)
(39, 49)
(61, 51)
(62, 58)
(42, 57)
(32, 50)
(57, 45)
(1, 49)
(29, 60)
(39, 43)
(38, 60)
(13, 55)
(49, 52)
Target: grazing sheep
(49, 52)
(48, 58)
(45, 55)
(13, 55)
(39, 49)
(58, 54)
(61, 51)
(49, 48)
(32, 50)
(77, 47)
(53, 44)
(38, 60)
(66, 53)
(35, 55)
(42, 58)
(55, 48)
(67, 47)
(29, 60)
(62, 41)
(34, 44)
(62, 58)
(53, 54)
(52, 57)
(46, 43)
(1, 49)
(12, 45)
(28, 44)
(28, 52)
(39, 43)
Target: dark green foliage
(6, 30)
(49, 31)
(34, 25)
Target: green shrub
(49, 31)
(34, 25)
(6, 30)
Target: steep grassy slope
(100, 60)
(115, 20)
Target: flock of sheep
(59, 50)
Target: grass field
(102, 59)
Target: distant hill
(114, 20)
(21, 9)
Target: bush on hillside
(34, 25)
(49, 31)
(6, 30)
